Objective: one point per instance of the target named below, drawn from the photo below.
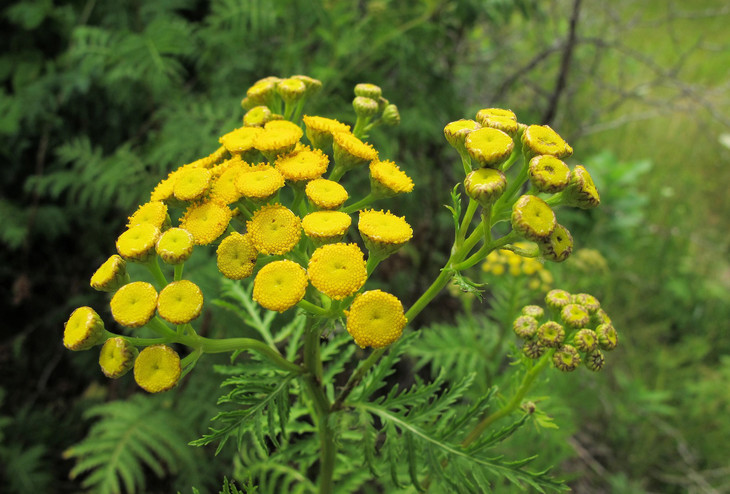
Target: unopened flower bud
(533, 218)
(489, 147)
(600, 317)
(257, 116)
(391, 116)
(262, 91)
(368, 91)
(111, 275)
(557, 299)
(581, 192)
(497, 118)
(533, 310)
(291, 90)
(364, 106)
(558, 246)
(551, 334)
(548, 174)
(588, 301)
(525, 327)
(83, 330)
(313, 85)
(541, 139)
(595, 360)
(485, 185)
(175, 246)
(456, 132)
(585, 340)
(533, 349)
(566, 358)
(575, 316)
(117, 357)
(607, 336)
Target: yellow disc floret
(533, 218)
(191, 184)
(180, 302)
(541, 139)
(259, 182)
(154, 212)
(375, 319)
(157, 368)
(302, 164)
(489, 147)
(278, 137)
(83, 330)
(175, 246)
(223, 188)
(387, 179)
(326, 194)
(110, 275)
(280, 285)
(134, 304)
(350, 152)
(206, 221)
(274, 229)
(326, 226)
(116, 357)
(236, 256)
(383, 232)
(138, 242)
(241, 140)
(337, 270)
(320, 130)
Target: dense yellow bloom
(375, 319)
(278, 137)
(224, 188)
(175, 245)
(320, 130)
(262, 90)
(326, 226)
(157, 368)
(302, 164)
(456, 132)
(257, 116)
(350, 152)
(110, 275)
(236, 256)
(337, 270)
(154, 212)
(274, 229)
(134, 304)
(280, 285)
(541, 139)
(241, 140)
(259, 182)
(191, 184)
(326, 194)
(138, 242)
(83, 330)
(180, 302)
(388, 180)
(163, 190)
(489, 147)
(206, 221)
(116, 357)
(383, 232)
(533, 218)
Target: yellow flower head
(274, 229)
(383, 232)
(241, 140)
(191, 184)
(313, 85)
(175, 245)
(236, 256)
(497, 118)
(291, 90)
(259, 182)
(326, 194)
(337, 270)
(206, 221)
(489, 147)
(180, 302)
(558, 246)
(541, 139)
(83, 330)
(110, 275)
(278, 137)
(280, 285)
(375, 319)
(485, 185)
(138, 242)
(351, 152)
(388, 180)
(157, 368)
(533, 218)
(326, 226)
(581, 191)
(134, 304)
(262, 91)
(495, 112)
(154, 212)
(116, 357)
(163, 191)
(456, 132)
(320, 130)
(257, 116)
(224, 188)
(548, 174)
(302, 164)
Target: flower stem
(153, 266)
(179, 271)
(365, 201)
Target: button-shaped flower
(180, 302)
(280, 285)
(489, 147)
(206, 221)
(134, 304)
(533, 218)
(388, 180)
(375, 319)
(326, 194)
(383, 232)
(548, 174)
(157, 368)
(175, 246)
(138, 242)
(274, 229)
(337, 270)
(325, 227)
(83, 330)
(116, 357)
(111, 275)
(236, 256)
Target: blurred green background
(99, 100)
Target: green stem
(179, 271)
(466, 221)
(208, 345)
(372, 262)
(337, 173)
(485, 250)
(465, 161)
(357, 376)
(312, 308)
(512, 404)
(365, 201)
(158, 326)
(153, 266)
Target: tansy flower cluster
(271, 204)
(572, 328)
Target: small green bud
(525, 327)
(548, 174)
(585, 340)
(566, 358)
(557, 299)
(551, 334)
(391, 116)
(588, 301)
(313, 85)
(485, 185)
(260, 93)
(533, 349)
(364, 106)
(368, 91)
(595, 360)
(291, 90)
(575, 316)
(558, 246)
(607, 336)
(581, 192)
(257, 116)
(533, 218)
(533, 310)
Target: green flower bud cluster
(573, 327)
(372, 109)
(273, 98)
